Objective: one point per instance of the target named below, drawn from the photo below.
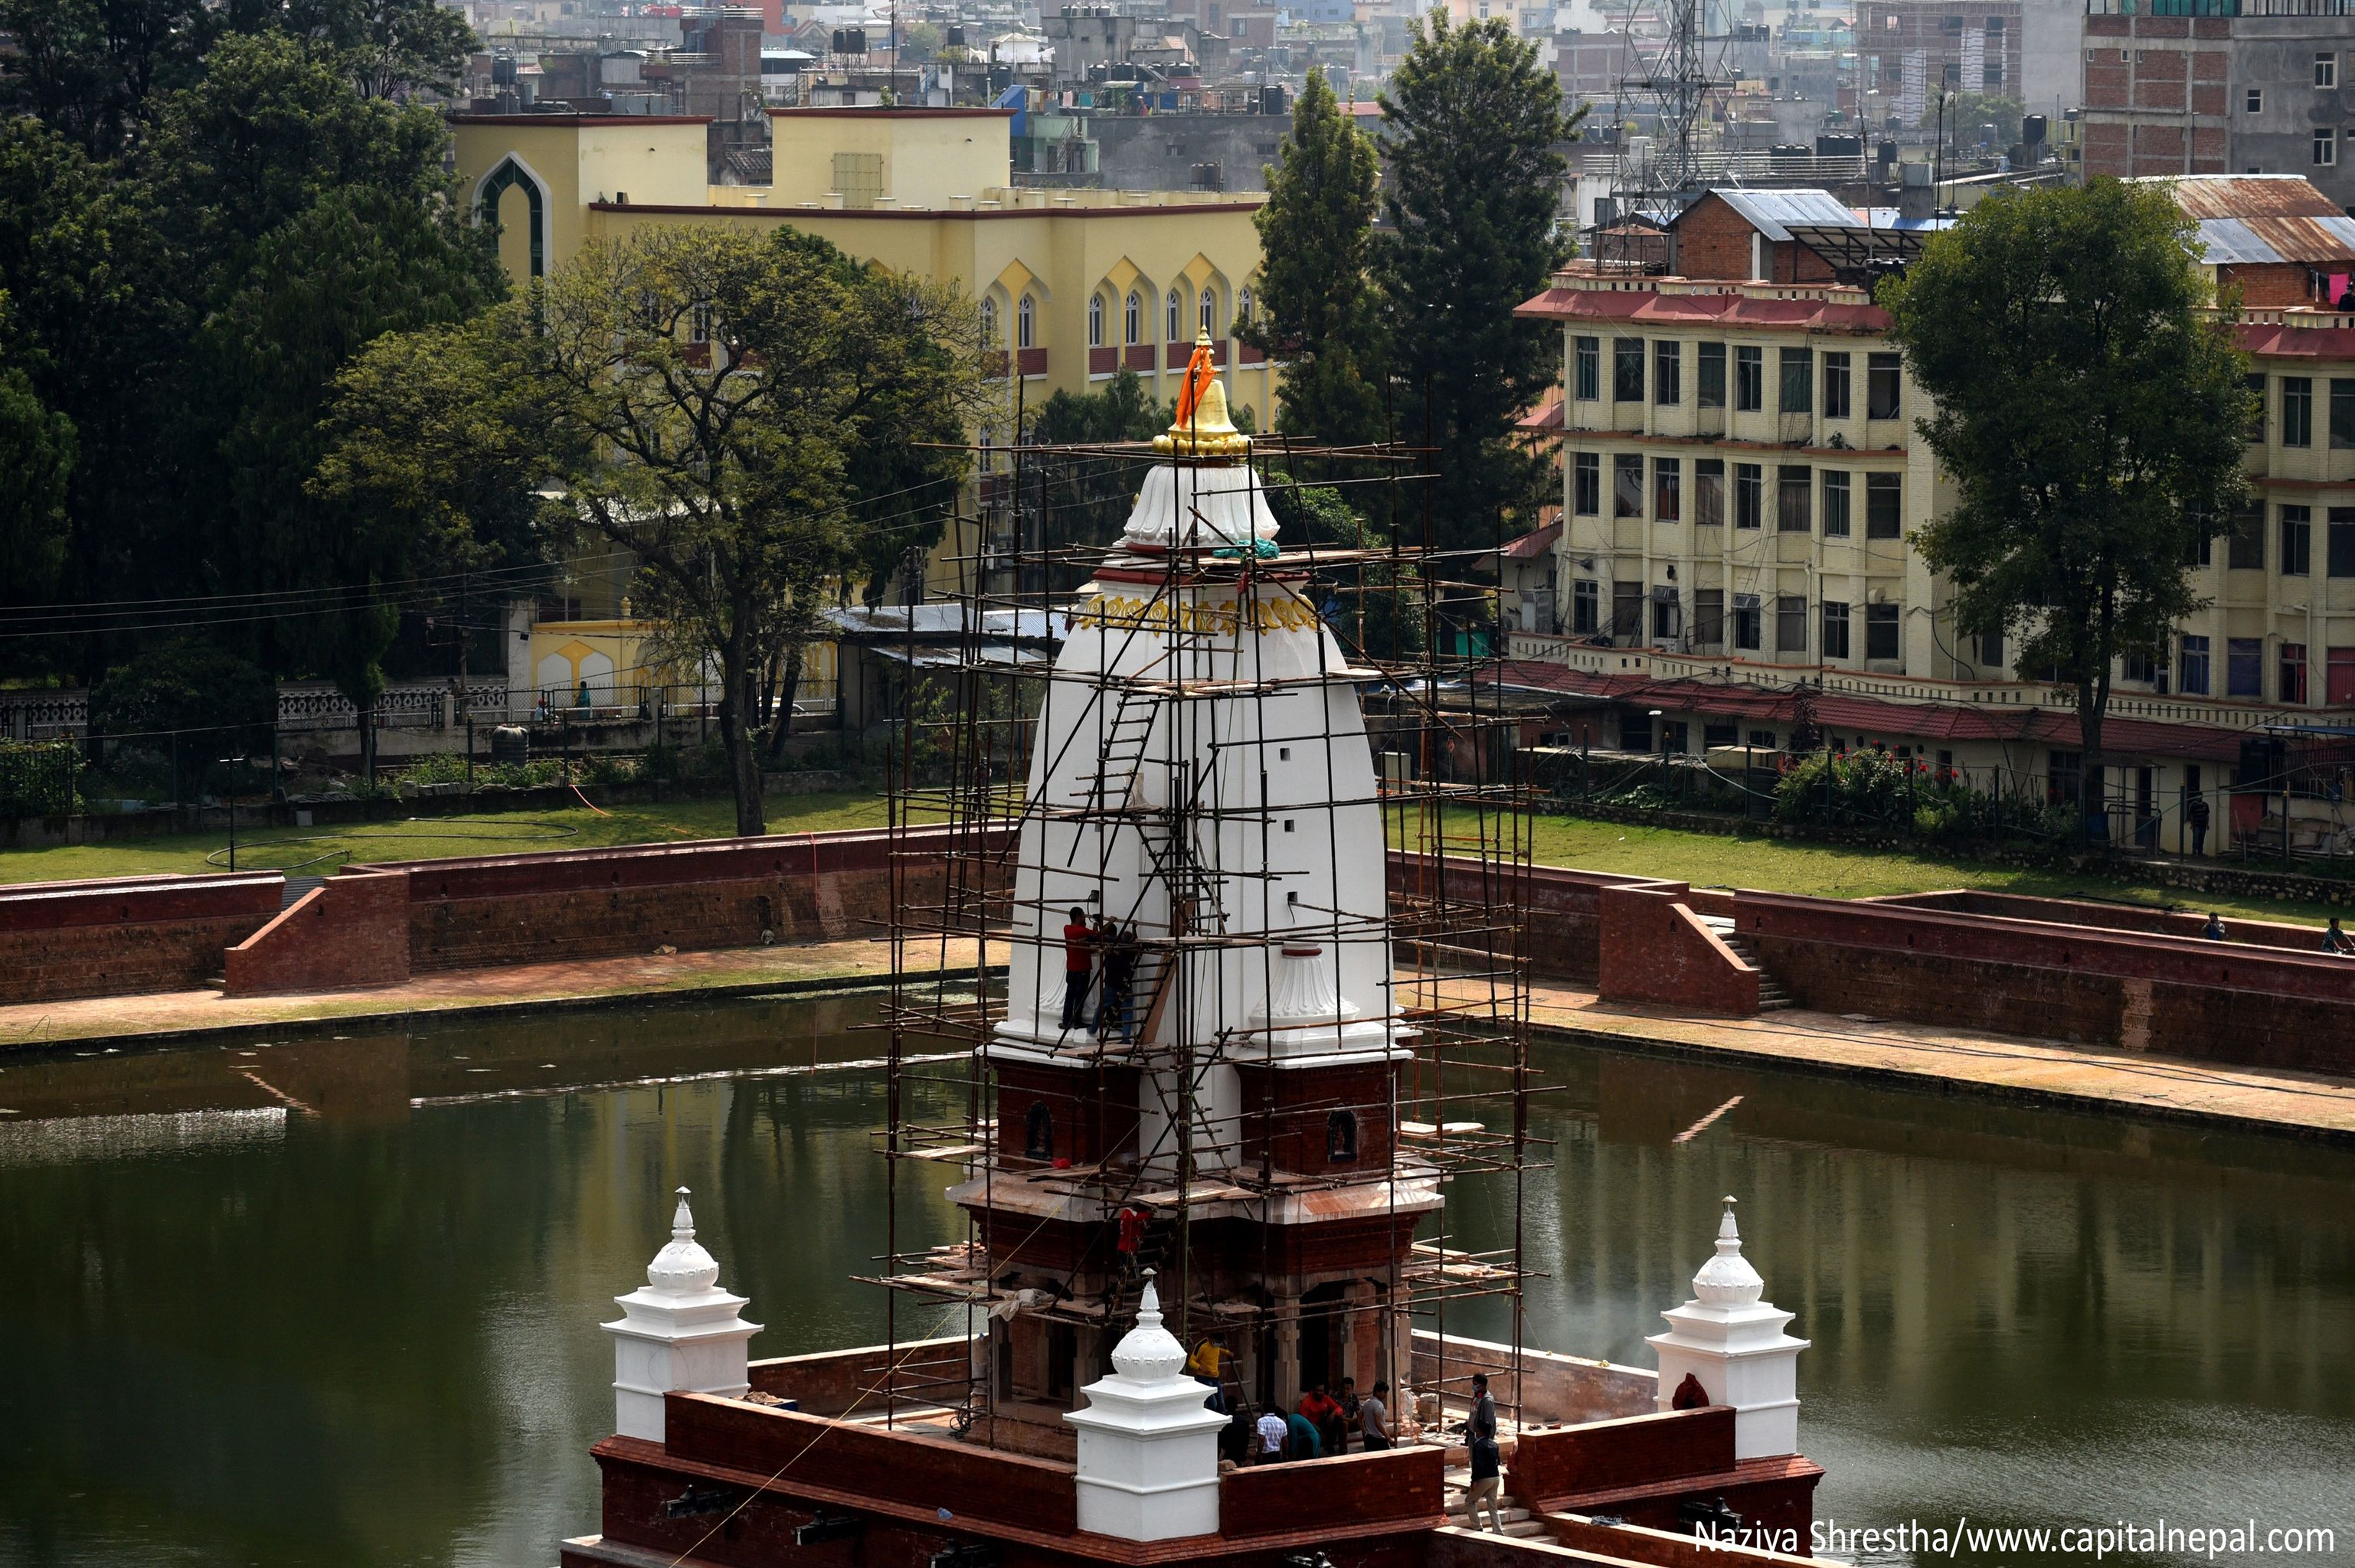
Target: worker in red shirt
(1079, 967)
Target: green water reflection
(336, 1302)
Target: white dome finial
(684, 1266)
(1149, 1352)
(1728, 1279)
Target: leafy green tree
(743, 414)
(919, 40)
(36, 454)
(1374, 606)
(1321, 316)
(1967, 111)
(192, 701)
(1474, 127)
(353, 267)
(273, 128)
(2090, 405)
(90, 68)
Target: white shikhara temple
(1190, 1205)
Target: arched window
(1177, 310)
(1340, 1137)
(989, 322)
(1210, 314)
(1038, 1132)
(1243, 307)
(1134, 326)
(1095, 321)
(1025, 322)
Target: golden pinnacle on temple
(1203, 427)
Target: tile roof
(1731, 310)
(1532, 545)
(1920, 721)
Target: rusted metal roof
(2309, 241)
(2251, 197)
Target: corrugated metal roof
(2259, 242)
(2250, 196)
(1772, 213)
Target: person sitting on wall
(2335, 940)
(1301, 1441)
(1079, 967)
(1323, 1412)
(1271, 1430)
(1349, 1405)
(1689, 1395)
(2214, 929)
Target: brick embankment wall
(124, 936)
(1566, 910)
(2108, 917)
(722, 892)
(2250, 1006)
(351, 930)
(1654, 949)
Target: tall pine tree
(1473, 122)
(1321, 318)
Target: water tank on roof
(2032, 129)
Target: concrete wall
(120, 936)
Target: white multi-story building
(1742, 477)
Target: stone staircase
(1520, 1522)
(1772, 997)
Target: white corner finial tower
(681, 1331)
(1148, 1466)
(1733, 1342)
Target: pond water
(335, 1301)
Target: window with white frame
(1133, 319)
(1176, 304)
(2326, 147)
(2256, 100)
(1026, 323)
(989, 322)
(2326, 69)
(1095, 321)
(1243, 307)
(1208, 313)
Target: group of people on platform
(1320, 1426)
(1106, 949)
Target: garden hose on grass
(522, 833)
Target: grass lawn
(432, 838)
(1705, 859)
(1840, 871)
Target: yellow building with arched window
(1074, 285)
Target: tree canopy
(1319, 313)
(2091, 408)
(205, 211)
(1474, 123)
(746, 415)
